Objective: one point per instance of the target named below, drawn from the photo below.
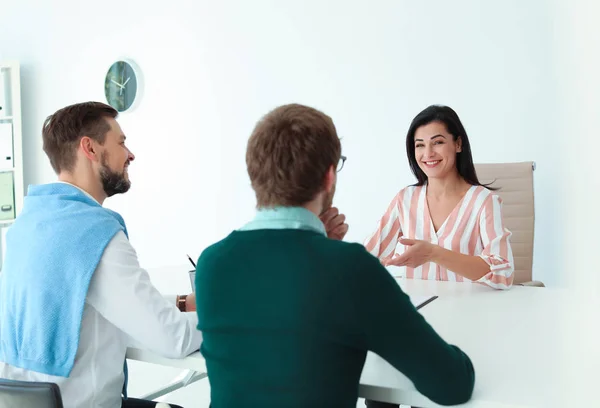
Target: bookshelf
(11, 147)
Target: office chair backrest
(515, 183)
(24, 394)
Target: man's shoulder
(236, 241)
(343, 246)
(350, 254)
(118, 242)
(216, 249)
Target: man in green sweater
(288, 314)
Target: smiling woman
(447, 226)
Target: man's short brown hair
(63, 130)
(289, 154)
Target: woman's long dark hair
(464, 159)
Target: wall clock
(122, 85)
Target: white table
(526, 346)
(531, 347)
(194, 364)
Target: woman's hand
(418, 253)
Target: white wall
(577, 42)
(212, 69)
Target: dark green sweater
(289, 315)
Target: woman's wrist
(436, 253)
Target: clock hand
(116, 83)
(126, 81)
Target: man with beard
(287, 313)
(74, 296)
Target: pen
(191, 261)
(431, 299)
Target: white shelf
(11, 98)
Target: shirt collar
(285, 218)
(79, 188)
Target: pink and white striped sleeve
(497, 251)
(383, 241)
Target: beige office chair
(515, 183)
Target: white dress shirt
(122, 309)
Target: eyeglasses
(340, 165)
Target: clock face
(121, 86)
